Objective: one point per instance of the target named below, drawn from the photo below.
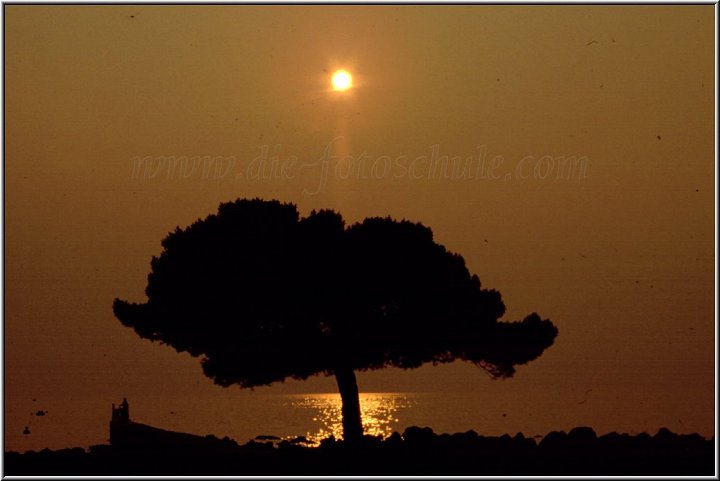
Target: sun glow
(341, 80)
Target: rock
(554, 440)
(418, 434)
(581, 438)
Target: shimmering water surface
(381, 413)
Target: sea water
(243, 415)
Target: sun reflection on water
(380, 413)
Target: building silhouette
(128, 434)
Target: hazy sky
(619, 253)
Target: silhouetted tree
(261, 295)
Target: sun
(341, 80)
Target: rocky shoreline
(418, 451)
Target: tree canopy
(262, 294)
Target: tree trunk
(352, 424)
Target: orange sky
(621, 258)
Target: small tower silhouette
(122, 412)
(119, 422)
